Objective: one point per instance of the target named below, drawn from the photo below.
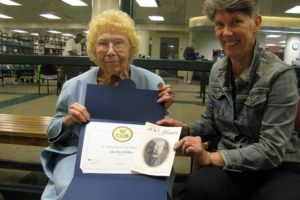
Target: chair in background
(67, 72)
(48, 72)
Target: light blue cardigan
(58, 159)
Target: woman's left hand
(166, 95)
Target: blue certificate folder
(122, 103)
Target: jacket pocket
(218, 98)
(254, 106)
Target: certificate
(109, 147)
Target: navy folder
(122, 103)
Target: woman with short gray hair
(252, 104)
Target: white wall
(183, 40)
(289, 53)
(144, 42)
(204, 43)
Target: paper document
(109, 147)
(155, 154)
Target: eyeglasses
(119, 45)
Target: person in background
(215, 56)
(189, 54)
(203, 76)
(252, 104)
(112, 43)
(73, 46)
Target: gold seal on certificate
(122, 134)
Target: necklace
(113, 79)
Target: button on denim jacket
(257, 129)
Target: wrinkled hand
(166, 95)
(77, 113)
(191, 145)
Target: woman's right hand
(168, 121)
(77, 113)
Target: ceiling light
(35, 34)
(147, 3)
(281, 31)
(53, 31)
(50, 16)
(75, 2)
(271, 31)
(270, 45)
(5, 16)
(294, 10)
(9, 3)
(292, 32)
(273, 36)
(19, 31)
(156, 18)
(68, 34)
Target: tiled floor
(24, 100)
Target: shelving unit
(17, 45)
(54, 45)
(83, 49)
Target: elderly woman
(252, 104)
(112, 42)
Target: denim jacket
(256, 129)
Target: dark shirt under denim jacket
(254, 114)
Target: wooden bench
(23, 130)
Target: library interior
(33, 68)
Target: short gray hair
(248, 7)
